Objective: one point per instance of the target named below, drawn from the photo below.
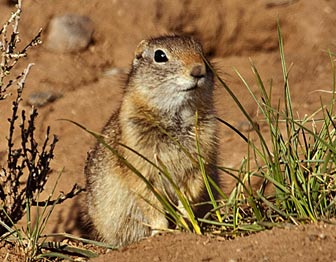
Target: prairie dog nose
(198, 71)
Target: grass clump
(296, 158)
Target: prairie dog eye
(160, 56)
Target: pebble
(41, 98)
(69, 33)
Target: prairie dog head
(169, 72)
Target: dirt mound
(304, 243)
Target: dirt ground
(231, 32)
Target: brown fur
(159, 98)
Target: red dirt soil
(231, 32)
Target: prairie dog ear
(140, 49)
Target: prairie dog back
(168, 83)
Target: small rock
(41, 98)
(312, 237)
(322, 236)
(69, 33)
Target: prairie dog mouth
(190, 88)
(192, 85)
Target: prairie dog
(168, 82)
